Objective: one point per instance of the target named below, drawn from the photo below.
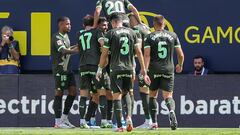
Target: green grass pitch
(161, 131)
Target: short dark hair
(116, 17)
(62, 19)
(199, 57)
(88, 20)
(158, 19)
(102, 20)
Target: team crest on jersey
(60, 42)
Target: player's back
(89, 47)
(113, 6)
(162, 44)
(121, 41)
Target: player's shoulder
(56, 36)
(129, 30)
(83, 31)
(97, 30)
(173, 34)
(93, 30)
(80, 32)
(151, 34)
(136, 30)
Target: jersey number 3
(86, 44)
(125, 46)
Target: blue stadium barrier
(206, 101)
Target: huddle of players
(94, 47)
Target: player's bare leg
(170, 103)
(153, 108)
(82, 107)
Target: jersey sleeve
(176, 42)
(147, 42)
(127, 4)
(99, 4)
(107, 40)
(137, 37)
(59, 44)
(138, 33)
(100, 36)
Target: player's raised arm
(97, 13)
(133, 9)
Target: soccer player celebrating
(64, 77)
(158, 56)
(89, 50)
(105, 80)
(143, 87)
(103, 86)
(115, 6)
(121, 41)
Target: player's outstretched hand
(179, 68)
(99, 73)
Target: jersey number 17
(86, 44)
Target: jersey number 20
(86, 45)
(118, 6)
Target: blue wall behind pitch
(221, 57)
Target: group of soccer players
(110, 51)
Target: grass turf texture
(78, 131)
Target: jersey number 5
(125, 46)
(86, 45)
(162, 50)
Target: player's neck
(88, 27)
(159, 29)
(119, 26)
(61, 32)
